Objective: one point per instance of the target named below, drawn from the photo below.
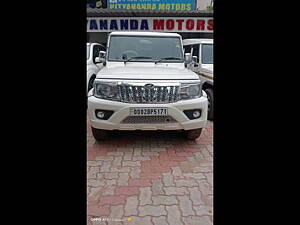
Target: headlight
(106, 90)
(190, 90)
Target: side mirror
(188, 57)
(195, 59)
(102, 54)
(97, 60)
(101, 58)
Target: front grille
(148, 120)
(143, 94)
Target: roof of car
(197, 41)
(90, 43)
(141, 33)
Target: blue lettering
(144, 25)
(124, 24)
(93, 25)
(113, 25)
(103, 24)
(133, 24)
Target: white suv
(202, 64)
(93, 63)
(145, 86)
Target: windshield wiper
(167, 58)
(137, 57)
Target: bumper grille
(148, 120)
(143, 94)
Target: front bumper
(122, 110)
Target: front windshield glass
(207, 54)
(87, 51)
(146, 49)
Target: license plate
(148, 111)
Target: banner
(159, 24)
(172, 5)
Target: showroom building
(189, 23)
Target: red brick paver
(151, 177)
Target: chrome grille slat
(141, 94)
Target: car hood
(147, 73)
(208, 67)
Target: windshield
(87, 52)
(207, 54)
(145, 49)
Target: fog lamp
(100, 114)
(196, 114)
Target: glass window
(187, 48)
(196, 51)
(152, 48)
(207, 54)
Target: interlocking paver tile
(145, 220)
(168, 179)
(197, 176)
(164, 200)
(139, 182)
(195, 195)
(92, 173)
(117, 160)
(174, 215)
(94, 163)
(131, 163)
(176, 172)
(131, 206)
(120, 169)
(150, 210)
(110, 176)
(203, 210)
(176, 190)
(145, 196)
(186, 183)
(205, 187)
(105, 167)
(127, 190)
(196, 220)
(209, 178)
(185, 205)
(135, 173)
(157, 187)
(117, 212)
(95, 182)
(123, 179)
(161, 220)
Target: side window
(96, 50)
(196, 51)
(187, 48)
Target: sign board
(173, 5)
(158, 24)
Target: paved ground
(150, 178)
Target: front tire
(210, 98)
(99, 134)
(193, 134)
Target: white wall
(202, 4)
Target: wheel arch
(207, 85)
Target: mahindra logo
(149, 86)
